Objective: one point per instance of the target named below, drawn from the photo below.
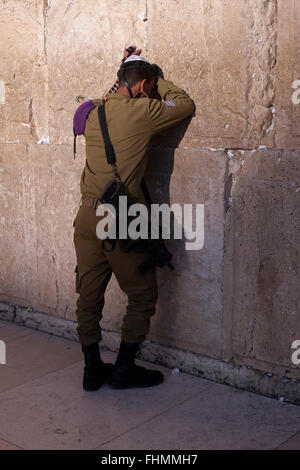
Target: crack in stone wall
(147, 28)
(262, 53)
(46, 7)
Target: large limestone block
(190, 302)
(15, 269)
(189, 311)
(262, 262)
(288, 70)
(23, 107)
(223, 54)
(56, 198)
(84, 49)
(39, 199)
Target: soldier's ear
(142, 85)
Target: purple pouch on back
(80, 118)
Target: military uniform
(131, 124)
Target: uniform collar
(117, 96)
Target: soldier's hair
(136, 72)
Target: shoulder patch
(170, 103)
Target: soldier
(133, 117)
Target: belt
(90, 202)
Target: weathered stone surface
(262, 262)
(37, 255)
(223, 54)
(23, 108)
(7, 311)
(13, 256)
(189, 312)
(47, 323)
(84, 50)
(56, 187)
(288, 72)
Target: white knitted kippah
(132, 58)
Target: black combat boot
(96, 372)
(127, 374)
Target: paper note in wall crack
(2, 92)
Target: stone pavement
(43, 406)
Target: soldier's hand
(133, 50)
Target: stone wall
(236, 301)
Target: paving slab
(291, 444)
(53, 412)
(9, 331)
(216, 418)
(5, 445)
(43, 406)
(31, 354)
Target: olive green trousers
(93, 272)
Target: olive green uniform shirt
(131, 123)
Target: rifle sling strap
(110, 153)
(109, 150)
